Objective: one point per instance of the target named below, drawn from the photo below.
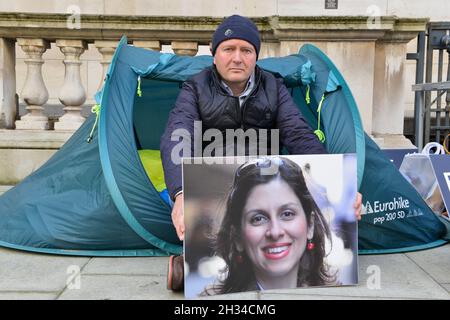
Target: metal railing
(431, 113)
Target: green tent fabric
(96, 199)
(397, 218)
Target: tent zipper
(95, 109)
(139, 91)
(319, 133)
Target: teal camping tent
(97, 198)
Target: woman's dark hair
(313, 270)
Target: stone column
(269, 49)
(34, 92)
(107, 49)
(72, 94)
(288, 47)
(7, 83)
(184, 48)
(152, 45)
(356, 62)
(389, 95)
(347, 41)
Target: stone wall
(435, 10)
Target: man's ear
(210, 49)
(311, 223)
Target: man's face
(235, 60)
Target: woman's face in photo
(274, 229)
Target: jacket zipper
(240, 112)
(255, 86)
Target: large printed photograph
(276, 222)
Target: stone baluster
(184, 48)
(7, 83)
(72, 94)
(34, 92)
(152, 45)
(107, 49)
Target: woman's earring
(310, 245)
(239, 258)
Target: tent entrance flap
(135, 197)
(151, 111)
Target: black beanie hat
(236, 27)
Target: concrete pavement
(23, 275)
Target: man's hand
(358, 205)
(178, 216)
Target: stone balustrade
(370, 56)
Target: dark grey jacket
(203, 98)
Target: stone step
(24, 151)
(3, 189)
(33, 139)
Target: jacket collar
(217, 81)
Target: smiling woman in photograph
(273, 233)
